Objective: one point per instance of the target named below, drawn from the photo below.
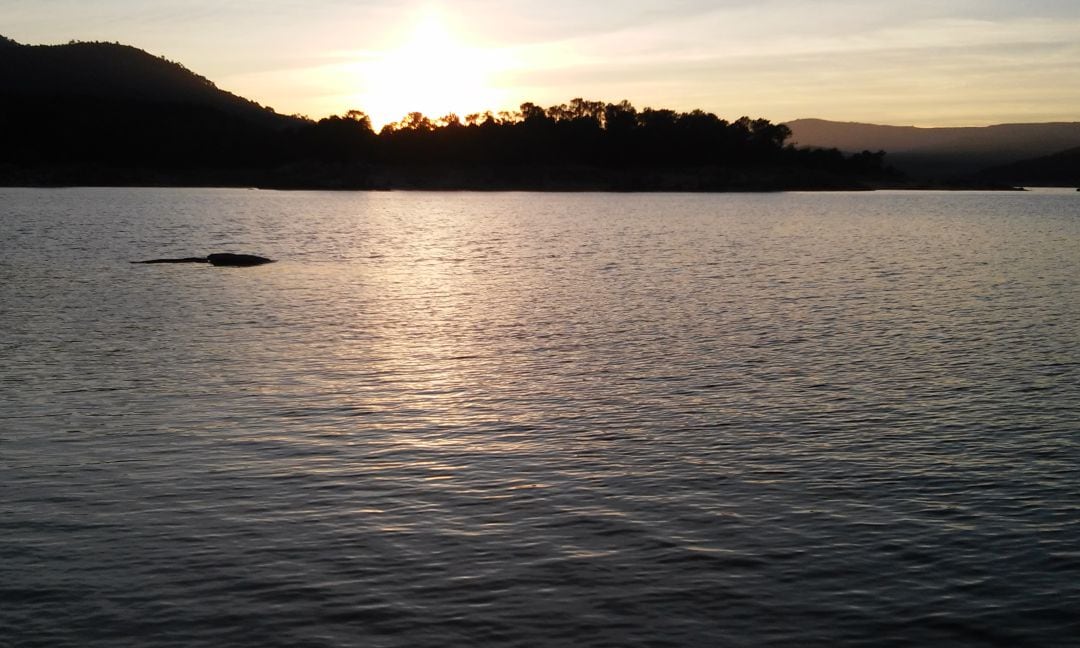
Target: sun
(431, 72)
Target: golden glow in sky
(921, 62)
(432, 71)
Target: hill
(116, 73)
(940, 152)
(104, 113)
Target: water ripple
(528, 420)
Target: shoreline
(913, 188)
(484, 179)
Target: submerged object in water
(184, 260)
(218, 259)
(229, 259)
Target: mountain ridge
(941, 151)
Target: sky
(904, 62)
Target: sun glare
(430, 72)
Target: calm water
(540, 419)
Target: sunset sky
(921, 62)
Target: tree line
(579, 144)
(580, 132)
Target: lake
(540, 419)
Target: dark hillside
(116, 73)
(103, 113)
(1061, 169)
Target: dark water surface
(540, 419)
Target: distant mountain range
(952, 152)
